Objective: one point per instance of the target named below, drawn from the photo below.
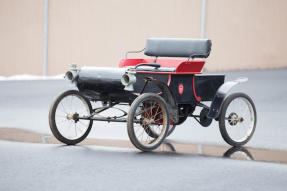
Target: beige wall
(21, 37)
(246, 34)
(100, 32)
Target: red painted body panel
(190, 66)
(151, 72)
(182, 67)
(162, 62)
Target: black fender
(220, 96)
(169, 98)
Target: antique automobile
(153, 96)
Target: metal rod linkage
(108, 119)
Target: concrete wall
(246, 34)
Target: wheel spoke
(62, 116)
(82, 123)
(64, 108)
(75, 129)
(156, 112)
(67, 129)
(58, 122)
(151, 110)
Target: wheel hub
(69, 117)
(233, 119)
(147, 121)
(74, 117)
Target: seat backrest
(178, 47)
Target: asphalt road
(27, 166)
(55, 167)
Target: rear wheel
(237, 120)
(148, 112)
(64, 117)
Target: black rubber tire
(154, 135)
(170, 130)
(222, 120)
(52, 122)
(130, 127)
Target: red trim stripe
(177, 73)
(169, 79)
(194, 92)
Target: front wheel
(65, 117)
(153, 134)
(237, 120)
(148, 113)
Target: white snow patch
(31, 77)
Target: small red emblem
(180, 88)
